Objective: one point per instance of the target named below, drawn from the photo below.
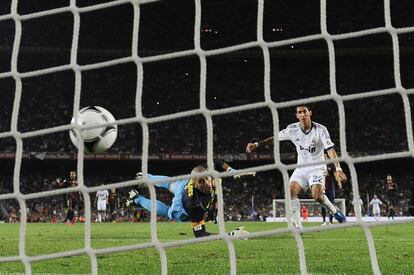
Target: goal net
(314, 208)
(77, 12)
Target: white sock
(327, 203)
(295, 212)
(99, 218)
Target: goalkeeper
(193, 198)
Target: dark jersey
(391, 191)
(74, 197)
(113, 197)
(330, 183)
(67, 183)
(197, 204)
(212, 203)
(391, 187)
(70, 200)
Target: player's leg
(331, 197)
(103, 209)
(317, 182)
(162, 208)
(99, 205)
(296, 184)
(323, 212)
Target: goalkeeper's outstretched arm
(219, 165)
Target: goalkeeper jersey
(310, 146)
(196, 204)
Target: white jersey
(310, 146)
(102, 195)
(375, 203)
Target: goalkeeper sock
(295, 212)
(328, 204)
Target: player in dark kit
(330, 181)
(72, 181)
(193, 198)
(391, 189)
(72, 200)
(113, 203)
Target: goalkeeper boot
(132, 195)
(339, 216)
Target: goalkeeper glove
(239, 233)
(139, 176)
(238, 176)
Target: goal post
(314, 208)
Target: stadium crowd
(245, 199)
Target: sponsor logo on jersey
(310, 149)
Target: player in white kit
(102, 196)
(376, 210)
(311, 140)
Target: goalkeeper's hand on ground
(239, 233)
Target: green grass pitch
(343, 251)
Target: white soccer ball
(96, 140)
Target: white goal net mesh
(202, 110)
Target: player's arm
(222, 166)
(163, 179)
(285, 134)
(253, 146)
(339, 174)
(219, 165)
(197, 223)
(225, 167)
(199, 229)
(196, 213)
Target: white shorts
(309, 176)
(101, 205)
(376, 211)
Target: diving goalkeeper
(193, 198)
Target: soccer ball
(96, 140)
